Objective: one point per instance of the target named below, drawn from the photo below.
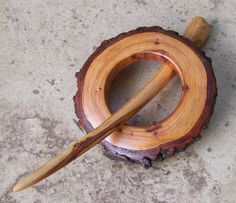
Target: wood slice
(145, 143)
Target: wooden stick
(197, 31)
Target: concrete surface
(43, 44)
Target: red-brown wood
(145, 143)
(146, 156)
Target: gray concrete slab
(43, 44)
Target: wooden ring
(181, 127)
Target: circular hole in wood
(131, 79)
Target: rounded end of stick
(197, 31)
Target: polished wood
(146, 143)
(154, 43)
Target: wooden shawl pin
(197, 32)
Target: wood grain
(193, 111)
(146, 143)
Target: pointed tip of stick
(21, 184)
(50, 167)
(17, 188)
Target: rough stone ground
(43, 44)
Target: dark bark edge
(145, 157)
